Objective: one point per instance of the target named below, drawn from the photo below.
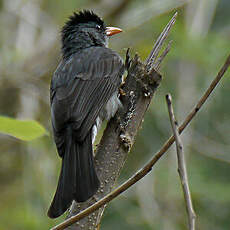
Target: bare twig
(157, 64)
(157, 46)
(181, 165)
(147, 168)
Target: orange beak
(112, 30)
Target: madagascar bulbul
(83, 93)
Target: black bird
(83, 92)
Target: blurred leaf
(25, 130)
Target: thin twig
(181, 165)
(147, 168)
(157, 46)
(157, 64)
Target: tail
(78, 180)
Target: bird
(84, 91)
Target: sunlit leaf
(22, 129)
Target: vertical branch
(181, 166)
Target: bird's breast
(111, 107)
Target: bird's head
(85, 29)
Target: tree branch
(147, 168)
(181, 165)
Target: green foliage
(24, 130)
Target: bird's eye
(98, 27)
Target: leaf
(25, 130)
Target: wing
(81, 87)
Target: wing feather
(81, 88)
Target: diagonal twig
(157, 63)
(159, 43)
(147, 168)
(181, 165)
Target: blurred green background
(29, 54)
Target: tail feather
(87, 181)
(78, 180)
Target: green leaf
(25, 130)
